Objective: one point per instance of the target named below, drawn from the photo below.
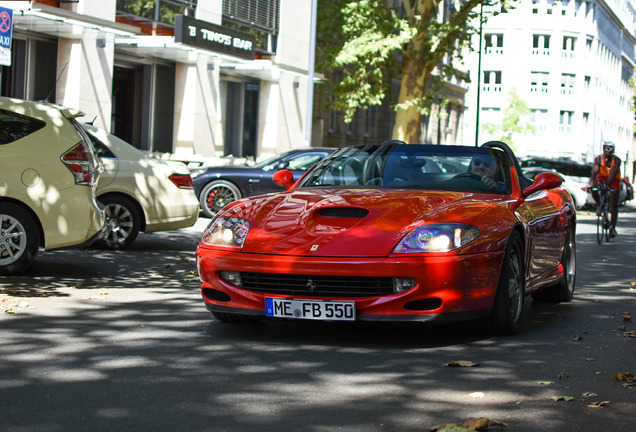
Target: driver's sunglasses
(608, 148)
(484, 162)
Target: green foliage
(632, 84)
(373, 44)
(146, 9)
(514, 121)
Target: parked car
(48, 173)
(371, 234)
(140, 192)
(218, 186)
(579, 172)
(574, 187)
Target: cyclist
(607, 170)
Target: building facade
(194, 78)
(570, 62)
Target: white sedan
(140, 192)
(575, 187)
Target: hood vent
(343, 212)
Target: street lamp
(481, 17)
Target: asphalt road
(104, 341)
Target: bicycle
(603, 223)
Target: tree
(373, 42)
(514, 120)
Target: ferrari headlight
(226, 232)
(437, 238)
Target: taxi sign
(6, 27)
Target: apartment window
(494, 43)
(160, 10)
(492, 81)
(541, 44)
(539, 82)
(260, 18)
(491, 115)
(564, 6)
(539, 119)
(568, 46)
(260, 14)
(567, 83)
(565, 121)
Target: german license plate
(310, 309)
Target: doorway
(241, 118)
(143, 105)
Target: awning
(165, 48)
(61, 23)
(130, 41)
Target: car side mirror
(284, 178)
(543, 181)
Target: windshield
(452, 168)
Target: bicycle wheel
(606, 225)
(599, 229)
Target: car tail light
(81, 163)
(182, 181)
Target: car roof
(27, 107)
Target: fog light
(232, 277)
(403, 284)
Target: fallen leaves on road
(627, 377)
(470, 424)
(563, 375)
(589, 394)
(630, 334)
(19, 305)
(627, 316)
(461, 363)
(577, 338)
(599, 404)
(546, 382)
(101, 296)
(562, 398)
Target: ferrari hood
(350, 223)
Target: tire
(124, 222)
(216, 195)
(19, 239)
(505, 316)
(232, 318)
(562, 291)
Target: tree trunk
(408, 120)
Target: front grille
(317, 286)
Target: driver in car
(486, 168)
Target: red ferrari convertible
(394, 232)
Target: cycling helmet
(610, 144)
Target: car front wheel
(216, 195)
(19, 239)
(505, 316)
(123, 220)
